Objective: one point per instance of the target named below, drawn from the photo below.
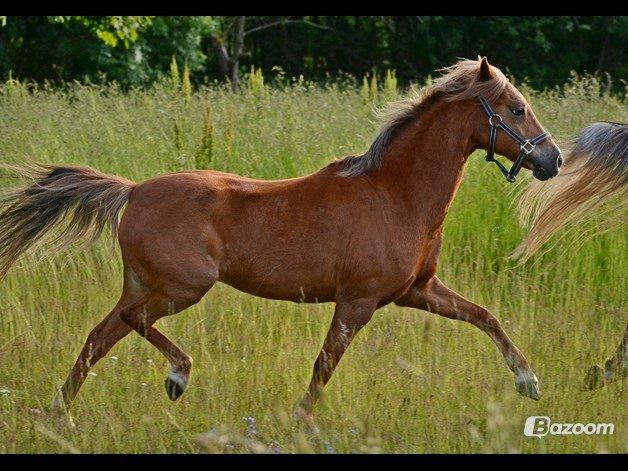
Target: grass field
(411, 382)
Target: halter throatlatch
(526, 146)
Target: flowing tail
(84, 199)
(592, 183)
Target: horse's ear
(485, 70)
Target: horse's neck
(425, 162)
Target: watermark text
(540, 425)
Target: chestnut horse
(362, 232)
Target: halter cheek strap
(526, 146)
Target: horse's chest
(417, 258)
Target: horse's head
(507, 125)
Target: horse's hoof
(175, 385)
(528, 385)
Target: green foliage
(365, 91)
(411, 382)
(111, 29)
(205, 149)
(174, 73)
(129, 50)
(137, 50)
(186, 85)
(373, 89)
(544, 48)
(390, 85)
(178, 163)
(256, 83)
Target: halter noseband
(526, 146)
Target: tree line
(137, 50)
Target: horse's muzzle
(544, 168)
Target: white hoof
(528, 385)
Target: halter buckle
(490, 120)
(527, 147)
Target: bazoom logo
(539, 426)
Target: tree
(63, 47)
(229, 34)
(228, 42)
(136, 51)
(129, 50)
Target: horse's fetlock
(186, 363)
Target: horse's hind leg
(141, 319)
(102, 338)
(99, 341)
(435, 297)
(138, 309)
(615, 367)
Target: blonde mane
(460, 81)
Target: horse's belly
(284, 289)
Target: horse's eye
(518, 111)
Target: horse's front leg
(435, 297)
(349, 318)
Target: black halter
(496, 122)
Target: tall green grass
(411, 382)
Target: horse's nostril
(559, 162)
